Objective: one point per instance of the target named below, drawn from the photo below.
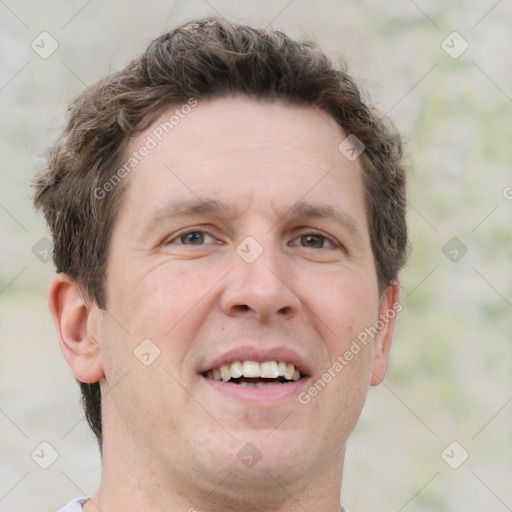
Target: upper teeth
(254, 369)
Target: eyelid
(315, 232)
(176, 235)
(299, 232)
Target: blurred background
(437, 434)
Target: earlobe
(76, 326)
(389, 308)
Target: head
(247, 133)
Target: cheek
(152, 301)
(142, 374)
(344, 304)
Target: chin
(253, 456)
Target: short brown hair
(205, 59)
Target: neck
(148, 478)
(132, 484)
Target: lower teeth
(259, 384)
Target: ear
(389, 307)
(77, 325)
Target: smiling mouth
(255, 374)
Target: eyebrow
(219, 209)
(320, 211)
(188, 208)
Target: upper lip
(250, 353)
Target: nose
(260, 289)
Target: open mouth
(256, 374)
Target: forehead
(243, 153)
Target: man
(228, 219)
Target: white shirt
(76, 506)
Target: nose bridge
(262, 268)
(259, 281)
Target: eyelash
(186, 233)
(200, 231)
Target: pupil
(313, 241)
(195, 238)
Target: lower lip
(266, 395)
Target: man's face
(242, 236)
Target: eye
(314, 241)
(191, 238)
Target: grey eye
(192, 238)
(313, 241)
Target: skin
(170, 441)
